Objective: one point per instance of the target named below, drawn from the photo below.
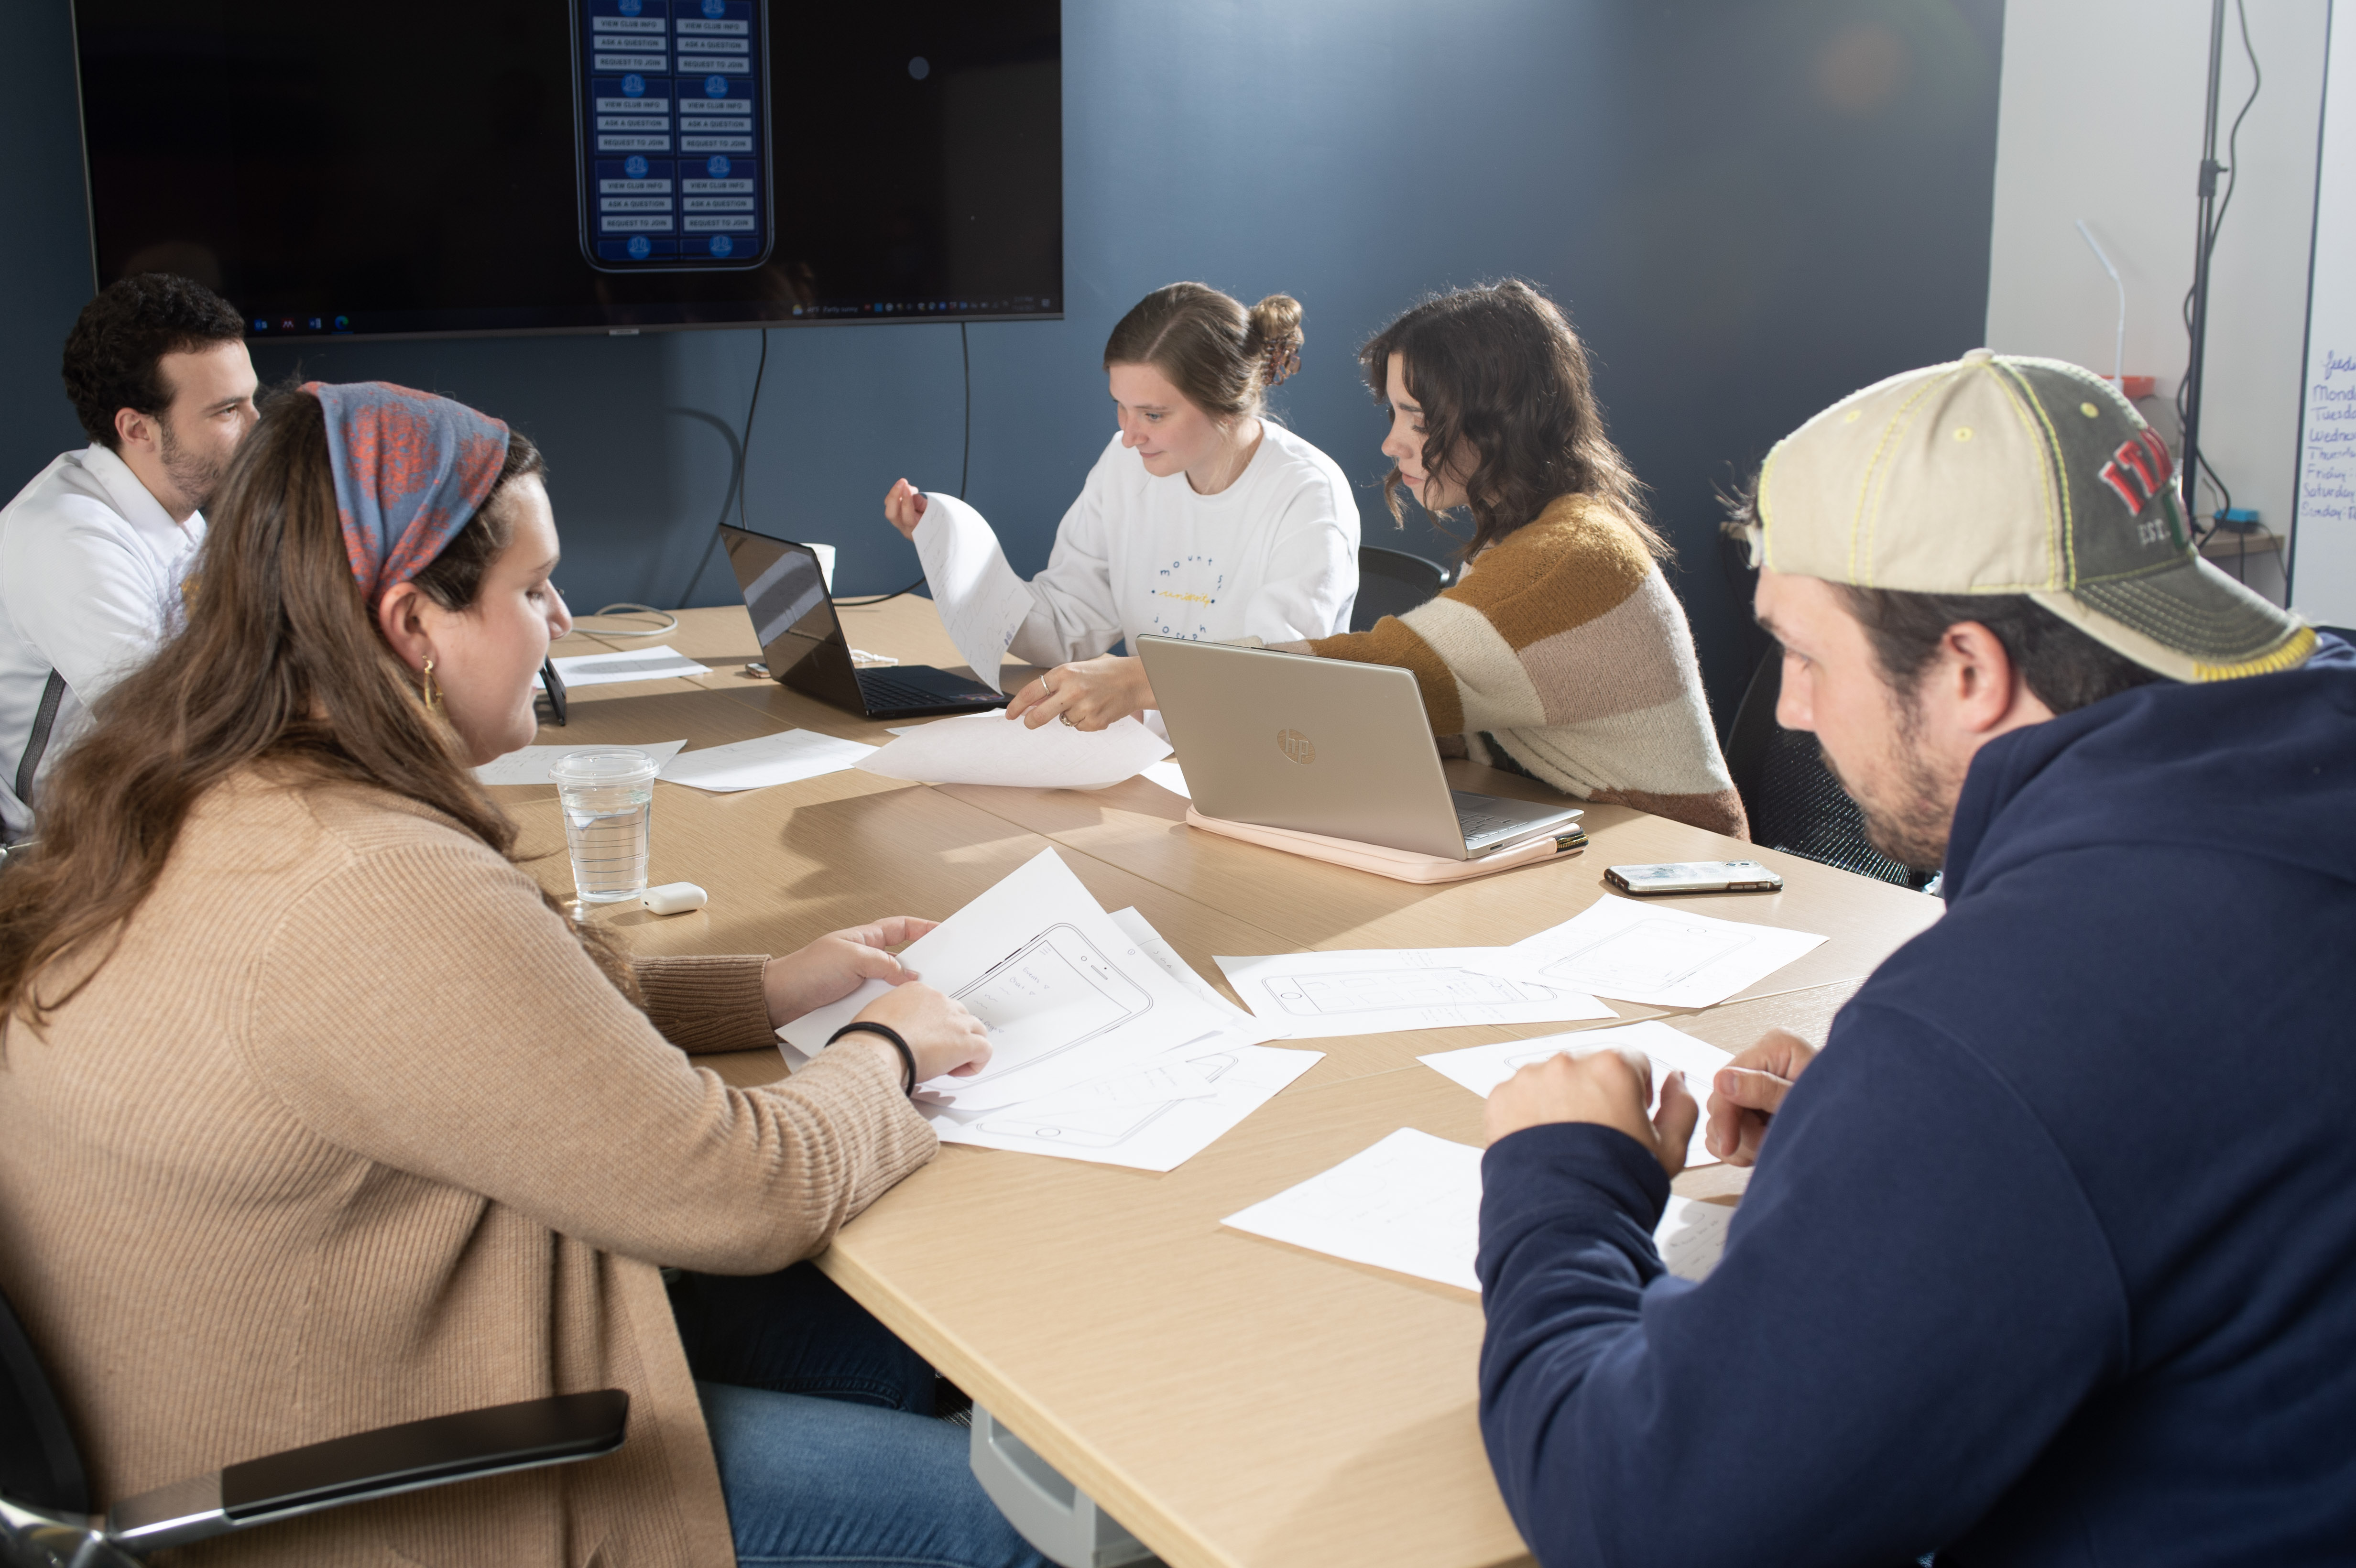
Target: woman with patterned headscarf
(319, 1116)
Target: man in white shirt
(92, 552)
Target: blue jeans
(823, 1423)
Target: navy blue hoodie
(2050, 1257)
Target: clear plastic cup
(607, 799)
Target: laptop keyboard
(1480, 825)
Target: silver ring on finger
(1067, 721)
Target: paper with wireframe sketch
(1134, 1119)
(992, 749)
(1320, 996)
(981, 602)
(1066, 995)
(1651, 954)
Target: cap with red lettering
(1998, 474)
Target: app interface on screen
(674, 111)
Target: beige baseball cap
(2002, 474)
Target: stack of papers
(637, 664)
(992, 749)
(1320, 995)
(529, 764)
(1482, 1068)
(766, 760)
(1650, 954)
(1413, 1204)
(1104, 1046)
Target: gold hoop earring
(432, 693)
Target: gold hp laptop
(1324, 746)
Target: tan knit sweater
(350, 1131)
(1564, 641)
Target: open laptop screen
(792, 615)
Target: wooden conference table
(1231, 1399)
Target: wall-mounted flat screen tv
(363, 168)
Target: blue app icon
(718, 165)
(722, 246)
(633, 85)
(343, 324)
(635, 167)
(715, 87)
(632, 7)
(315, 324)
(640, 248)
(261, 326)
(715, 7)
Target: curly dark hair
(1504, 383)
(111, 354)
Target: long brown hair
(1504, 381)
(280, 663)
(1223, 357)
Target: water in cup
(607, 799)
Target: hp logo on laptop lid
(1296, 746)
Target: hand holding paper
(984, 748)
(981, 600)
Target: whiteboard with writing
(2323, 545)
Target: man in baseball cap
(2048, 1257)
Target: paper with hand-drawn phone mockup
(1319, 996)
(1482, 1068)
(1413, 1204)
(992, 749)
(1646, 953)
(1154, 1118)
(981, 602)
(1244, 1028)
(1066, 995)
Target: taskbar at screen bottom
(308, 324)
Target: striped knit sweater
(1563, 646)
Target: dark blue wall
(1749, 207)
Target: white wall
(2100, 119)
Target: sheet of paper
(1413, 1204)
(1169, 777)
(1482, 1068)
(529, 765)
(1646, 952)
(1247, 1028)
(981, 600)
(1320, 996)
(660, 663)
(1109, 1122)
(765, 760)
(1066, 995)
(992, 749)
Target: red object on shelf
(2137, 387)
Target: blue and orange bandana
(411, 469)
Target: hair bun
(1274, 337)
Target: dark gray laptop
(803, 644)
(1324, 746)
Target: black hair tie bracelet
(907, 1056)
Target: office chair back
(1794, 802)
(39, 1462)
(1392, 582)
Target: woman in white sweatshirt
(1202, 518)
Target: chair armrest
(404, 1458)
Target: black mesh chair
(45, 1514)
(1392, 582)
(1794, 802)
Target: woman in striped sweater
(1561, 653)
